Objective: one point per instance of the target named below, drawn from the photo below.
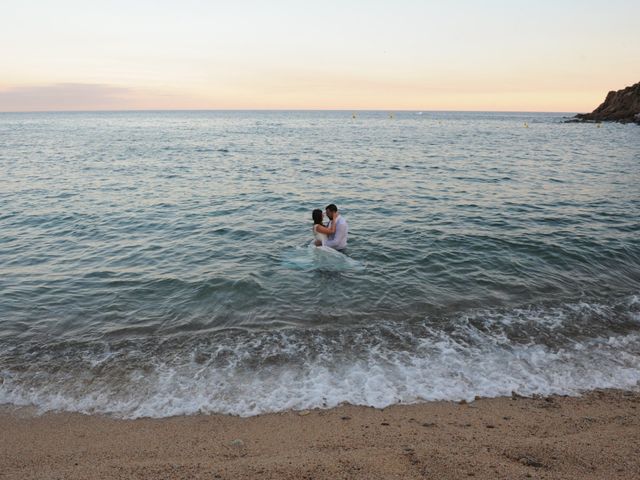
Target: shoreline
(596, 435)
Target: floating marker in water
(353, 115)
(526, 125)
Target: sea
(156, 263)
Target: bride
(320, 232)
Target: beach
(594, 436)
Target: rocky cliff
(621, 106)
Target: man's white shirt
(338, 240)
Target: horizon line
(386, 110)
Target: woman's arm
(326, 230)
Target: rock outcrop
(621, 106)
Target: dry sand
(595, 436)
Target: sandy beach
(594, 436)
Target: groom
(337, 240)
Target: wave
(544, 349)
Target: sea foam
(531, 351)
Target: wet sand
(596, 436)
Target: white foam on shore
(378, 366)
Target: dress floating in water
(320, 258)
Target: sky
(561, 56)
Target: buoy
(526, 125)
(391, 115)
(353, 115)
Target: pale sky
(403, 55)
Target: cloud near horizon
(65, 96)
(362, 95)
(75, 96)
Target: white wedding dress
(319, 236)
(320, 258)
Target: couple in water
(334, 234)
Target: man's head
(331, 210)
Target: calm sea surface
(158, 263)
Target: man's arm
(338, 238)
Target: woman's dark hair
(317, 216)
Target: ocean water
(158, 263)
